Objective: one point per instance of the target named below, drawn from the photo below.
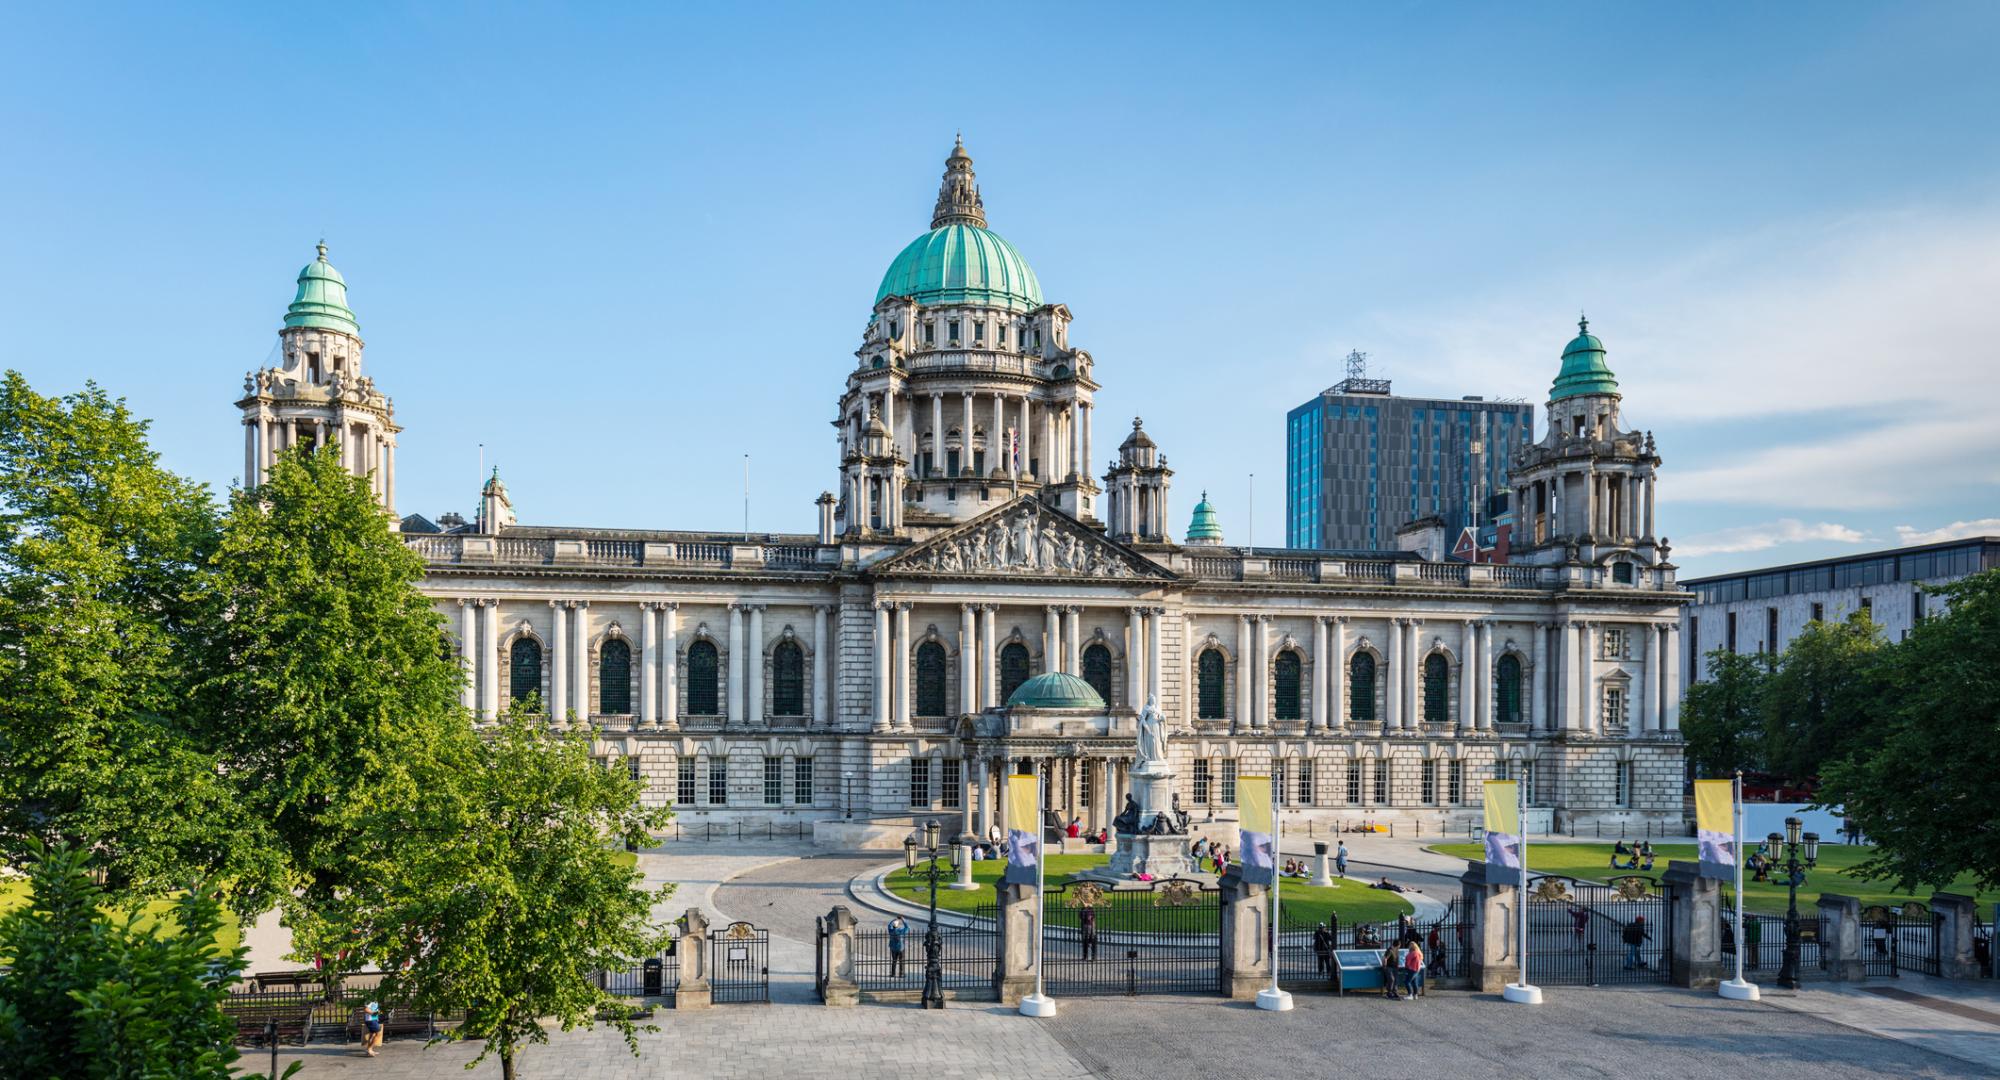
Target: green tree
(502, 892)
(94, 995)
(99, 549)
(329, 679)
(1721, 716)
(1820, 699)
(1924, 788)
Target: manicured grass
(1302, 903)
(14, 894)
(1832, 875)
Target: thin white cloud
(1906, 534)
(1767, 535)
(1878, 469)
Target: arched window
(614, 678)
(1508, 674)
(702, 668)
(524, 675)
(1285, 677)
(1361, 689)
(1437, 689)
(1208, 680)
(788, 680)
(1097, 670)
(1621, 572)
(930, 679)
(1013, 669)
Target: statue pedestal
(1162, 856)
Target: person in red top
(1075, 828)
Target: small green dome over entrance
(321, 302)
(1583, 370)
(1204, 527)
(1055, 690)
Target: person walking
(1753, 936)
(898, 930)
(1392, 964)
(1434, 948)
(1340, 859)
(1086, 925)
(1635, 936)
(1413, 969)
(1323, 948)
(1579, 917)
(371, 1023)
(1406, 929)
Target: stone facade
(860, 672)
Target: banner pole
(1038, 1003)
(1274, 999)
(1737, 989)
(1522, 992)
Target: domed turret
(961, 261)
(1583, 370)
(1205, 528)
(321, 302)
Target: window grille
(718, 781)
(1354, 782)
(1429, 785)
(774, 781)
(684, 782)
(1381, 781)
(920, 782)
(802, 781)
(1229, 781)
(951, 783)
(1455, 782)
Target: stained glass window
(524, 677)
(788, 680)
(614, 678)
(1013, 669)
(1097, 671)
(1361, 689)
(702, 669)
(1507, 673)
(1285, 676)
(930, 679)
(1437, 689)
(1208, 675)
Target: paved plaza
(1909, 1027)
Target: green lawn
(1302, 903)
(14, 894)
(1831, 876)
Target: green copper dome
(1204, 527)
(1055, 690)
(1583, 370)
(963, 264)
(322, 299)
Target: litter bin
(652, 976)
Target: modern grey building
(1760, 611)
(1361, 463)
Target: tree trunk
(507, 1056)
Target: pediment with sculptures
(1024, 537)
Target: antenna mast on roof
(1357, 381)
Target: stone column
(753, 666)
(1085, 415)
(1496, 928)
(649, 666)
(1261, 687)
(1565, 681)
(670, 686)
(899, 663)
(1246, 936)
(882, 647)
(1245, 669)
(694, 991)
(1319, 669)
(1841, 937)
(1156, 654)
(1108, 802)
(1468, 675)
(968, 659)
(1956, 914)
(1483, 692)
(937, 434)
(1670, 675)
(1586, 711)
(489, 617)
(842, 991)
(1014, 975)
(1052, 638)
(1026, 434)
(733, 708)
(822, 651)
(580, 675)
(1391, 678)
(1076, 466)
(1538, 679)
(1649, 704)
(1072, 639)
(1697, 959)
(559, 663)
(1336, 675)
(989, 660)
(1135, 647)
(1413, 669)
(468, 651)
(982, 788)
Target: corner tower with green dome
(1586, 490)
(973, 378)
(317, 395)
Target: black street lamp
(933, 942)
(1794, 869)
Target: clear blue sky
(624, 245)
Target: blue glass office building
(1361, 463)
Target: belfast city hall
(974, 599)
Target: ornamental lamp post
(1801, 852)
(933, 941)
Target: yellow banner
(1715, 807)
(1022, 794)
(1253, 804)
(1503, 808)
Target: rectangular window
(1354, 782)
(1086, 785)
(951, 333)
(1200, 795)
(774, 781)
(978, 330)
(1729, 632)
(920, 781)
(1528, 791)
(1455, 783)
(802, 781)
(1916, 606)
(684, 782)
(1614, 707)
(1614, 644)
(1868, 608)
(949, 795)
(1819, 612)
(718, 782)
(1625, 783)
(1429, 781)
(1694, 650)
(1277, 783)
(1229, 781)
(1306, 783)
(1771, 630)
(1381, 781)
(1000, 334)
(930, 332)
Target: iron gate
(1764, 941)
(1585, 933)
(1905, 938)
(1163, 939)
(739, 964)
(1304, 949)
(968, 956)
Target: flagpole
(1738, 989)
(1523, 991)
(1274, 999)
(1039, 1003)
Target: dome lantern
(1583, 368)
(321, 302)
